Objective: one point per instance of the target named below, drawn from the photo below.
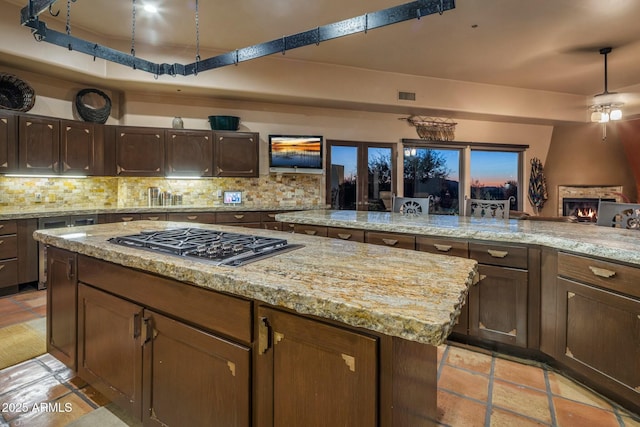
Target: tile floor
(474, 388)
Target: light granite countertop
(413, 295)
(587, 239)
(49, 212)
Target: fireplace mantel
(588, 192)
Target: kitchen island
(333, 332)
(564, 293)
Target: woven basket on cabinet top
(90, 114)
(15, 94)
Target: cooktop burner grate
(219, 247)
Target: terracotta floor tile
(7, 305)
(468, 359)
(501, 418)
(16, 317)
(520, 399)
(519, 373)
(40, 296)
(40, 311)
(463, 382)
(67, 409)
(570, 413)
(565, 387)
(94, 396)
(458, 411)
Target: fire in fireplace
(585, 209)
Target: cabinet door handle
(147, 329)
(497, 254)
(390, 242)
(192, 217)
(311, 232)
(442, 248)
(69, 268)
(1, 242)
(153, 218)
(2, 266)
(271, 215)
(1, 226)
(238, 216)
(602, 272)
(127, 218)
(344, 236)
(264, 335)
(136, 325)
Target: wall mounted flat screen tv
(295, 153)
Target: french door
(360, 175)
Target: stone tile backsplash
(120, 192)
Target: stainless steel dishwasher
(57, 222)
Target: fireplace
(583, 208)
(583, 199)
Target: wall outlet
(219, 194)
(38, 198)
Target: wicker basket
(15, 94)
(89, 113)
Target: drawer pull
(1, 226)
(442, 248)
(127, 218)
(271, 215)
(1, 242)
(192, 217)
(390, 242)
(238, 216)
(2, 266)
(344, 236)
(497, 254)
(602, 272)
(154, 218)
(311, 232)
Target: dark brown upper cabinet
(8, 142)
(139, 151)
(189, 153)
(236, 154)
(39, 149)
(68, 147)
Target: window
(433, 172)
(453, 171)
(495, 175)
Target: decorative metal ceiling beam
(393, 15)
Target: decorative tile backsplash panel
(111, 192)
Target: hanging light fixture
(606, 106)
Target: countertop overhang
(408, 294)
(587, 239)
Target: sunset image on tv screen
(302, 152)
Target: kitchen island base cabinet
(599, 338)
(159, 370)
(62, 305)
(319, 374)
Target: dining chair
(480, 208)
(619, 215)
(411, 205)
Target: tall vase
(177, 123)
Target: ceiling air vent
(406, 96)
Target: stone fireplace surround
(588, 192)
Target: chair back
(411, 205)
(479, 208)
(620, 215)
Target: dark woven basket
(90, 114)
(15, 94)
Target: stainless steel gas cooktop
(212, 246)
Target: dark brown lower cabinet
(61, 305)
(498, 305)
(599, 337)
(319, 374)
(160, 370)
(192, 378)
(110, 347)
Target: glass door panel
(343, 177)
(360, 175)
(380, 173)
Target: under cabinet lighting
(18, 175)
(182, 177)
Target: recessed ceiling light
(150, 8)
